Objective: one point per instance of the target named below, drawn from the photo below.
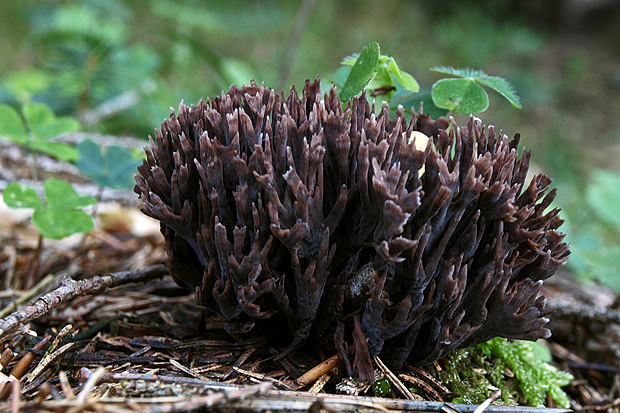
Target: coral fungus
(348, 225)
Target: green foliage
(536, 378)
(603, 196)
(380, 75)
(593, 229)
(469, 372)
(111, 168)
(460, 96)
(60, 214)
(376, 73)
(460, 376)
(465, 95)
(38, 126)
(362, 72)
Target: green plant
(381, 76)
(38, 126)
(470, 371)
(110, 168)
(536, 377)
(593, 228)
(465, 95)
(59, 214)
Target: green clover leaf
(18, 195)
(112, 168)
(460, 96)
(465, 95)
(12, 125)
(43, 125)
(375, 72)
(60, 215)
(362, 72)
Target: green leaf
(603, 196)
(121, 167)
(406, 80)
(113, 168)
(460, 96)
(57, 223)
(462, 72)
(350, 60)
(340, 76)
(59, 194)
(12, 125)
(503, 87)
(498, 84)
(60, 151)
(60, 216)
(23, 85)
(410, 100)
(362, 72)
(44, 124)
(90, 161)
(540, 351)
(18, 195)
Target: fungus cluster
(346, 224)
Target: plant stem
(33, 166)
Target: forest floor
(137, 346)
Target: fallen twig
(21, 367)
(496, 395)
(71, 288)
(261, 378)
(317, 371)
(90, 384)
(394, 379)
(585, 312)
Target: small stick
(584, 312)
(395, 380)
(434, 394)
(22, 366)
(186, 370)
(261, 378)
(47, 360)
(217, 398)
(6, 357)
(90, 384)
(61, 334)
(284, 362)
(66, 387)
(317, 371)
(420, 372)
(71, 288)
(35, 290)
(242, 359)
(320, 383)
(496, 394)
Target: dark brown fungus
(334, 220)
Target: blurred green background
(119, 65)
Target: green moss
(462, 377)
(470, 372)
